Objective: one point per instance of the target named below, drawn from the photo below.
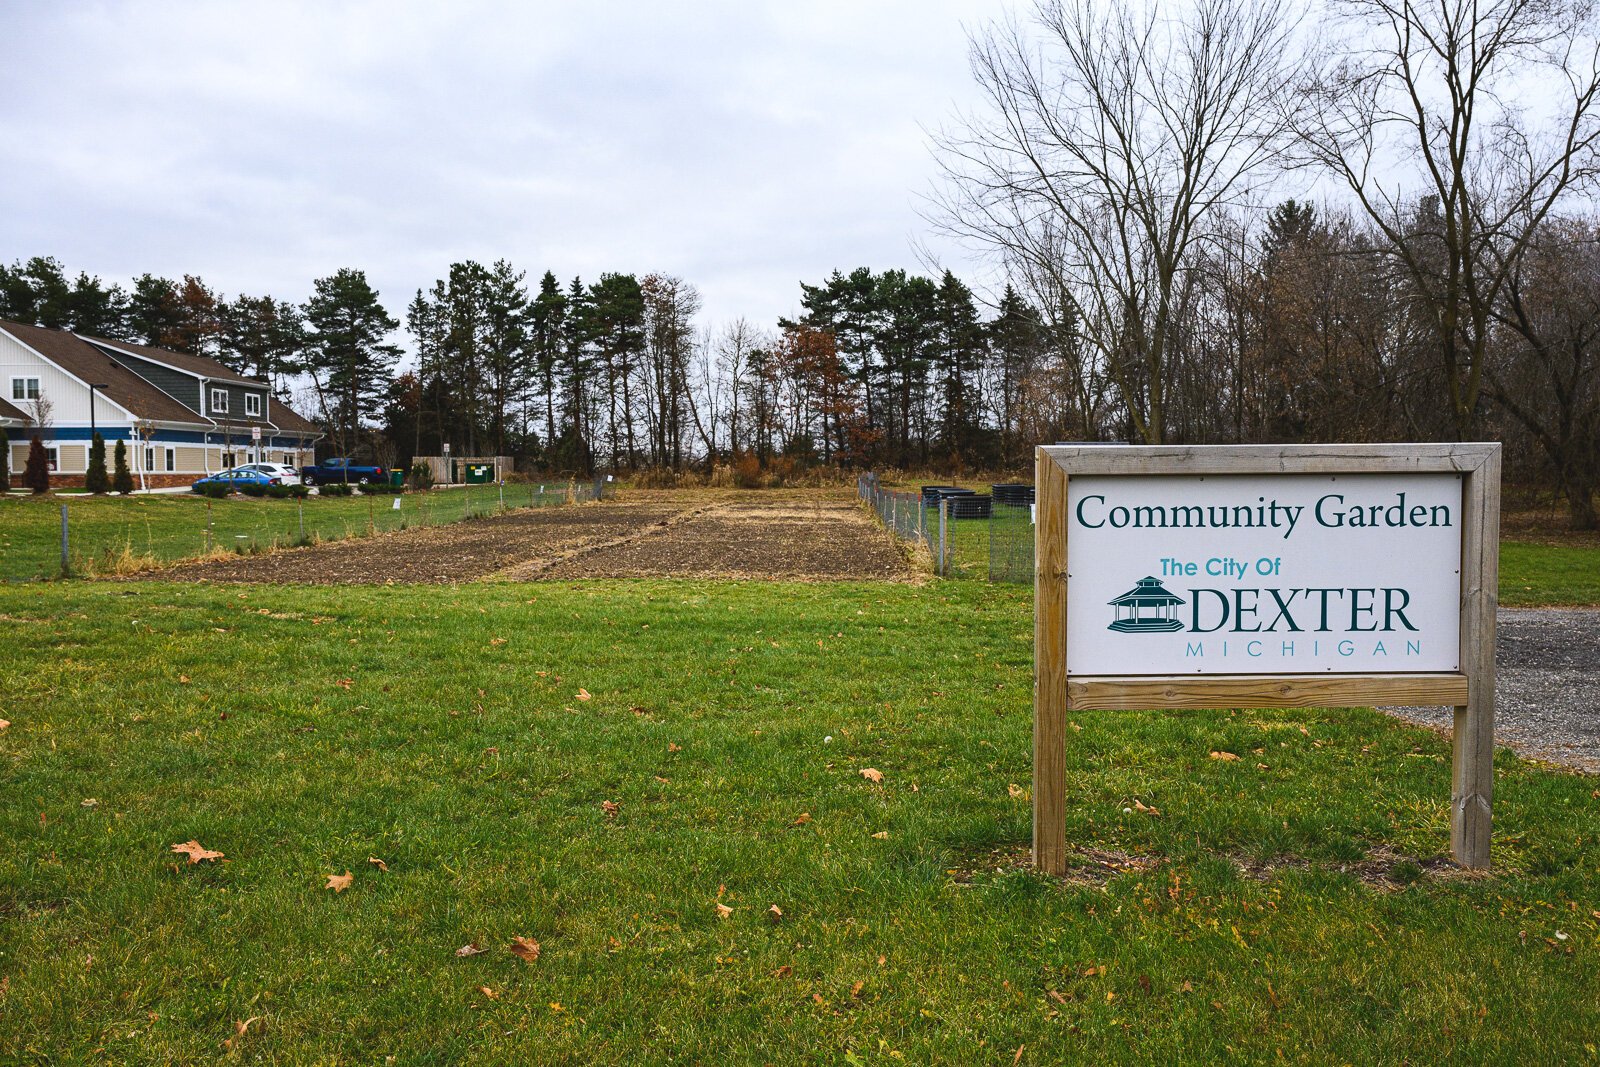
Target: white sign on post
(255, 433)
(1264, 574)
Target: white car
(285, 474)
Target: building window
(228, 459)
(288, 459)
(219, 401)
(252, 405)
(24, 389)
(149, 458)
(51, 457)
(172, 460)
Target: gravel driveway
(1547, 702)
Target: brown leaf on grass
(345, 683)
(1015, 791)
(1145, 808)
(525, 948)
(486, 991)
(801, 819)
(775, 914)
(1018, 1057)
(376, 862)
(1226, 756)
(183, 679)
(871, 774)
(674, 747)
(497, 640)
(583, 694)
(196, 852)
(782, 972)
(855, 990)
(339, 882)
(663, 781)
(881, 835)
(471, 948)
(239, 1030)
(610, 807)
(1055, 996)
(723, 911)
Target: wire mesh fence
(100, 536)
(967, 534)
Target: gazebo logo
(1147, 608)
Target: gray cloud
(744, 146)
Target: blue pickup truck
(342, 469)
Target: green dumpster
(480, 473)
(397, 478)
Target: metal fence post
(66, 565)
(944, 516)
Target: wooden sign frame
(1060, 687)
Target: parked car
(236, 477)
(285, 474)
(342, 469)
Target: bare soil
(793, 534)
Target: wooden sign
(1267, 576)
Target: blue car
(235, 478)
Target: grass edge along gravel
(598, 766)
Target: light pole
(92, 387)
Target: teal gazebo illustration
(1147, 608)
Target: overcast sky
(743, 145)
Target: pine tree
(350, 363)
(121, 477)
(94, 479)
(5, 461)
(36, 475)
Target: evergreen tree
(547, 327)
(155, 311)
(261, 337)
(36, 475)
(5, 457)
(347, 356)
(121, 477)
(94, 479)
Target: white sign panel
(1263, 574)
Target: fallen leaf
(1016, 791)
(782, 972)
(775, 913)
(486, 991)
(1228, 756)
(801, 819)
(723, 911)
(674, 747)
(470, 949)
(663, 781)
(183, 679)
(1145, 808)
(1055, 996)
(88, 802)
(526, 948)
(881, 835)
(497, 640)
(345, 683)
(855, 990)
(1018, 1057)
(583, 694)
(195, 852)
(339, 882)
(1186, 987)
(610, 807)
(872, 774)
(376, 862)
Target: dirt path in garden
(800, 534)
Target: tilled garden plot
(798, 534)
(818, 537)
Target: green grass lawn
(1537, 575)
(103, 530)
(444, 731)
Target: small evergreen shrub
(36, 475)
(421, 476)
(252, 489)
(214, 490)
(121, 476)
(336, 489)
(95, 479)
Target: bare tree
(1113, 134)
(1423, 114)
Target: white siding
(69, 400)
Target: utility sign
(1264, 574)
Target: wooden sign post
(1264, 576)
